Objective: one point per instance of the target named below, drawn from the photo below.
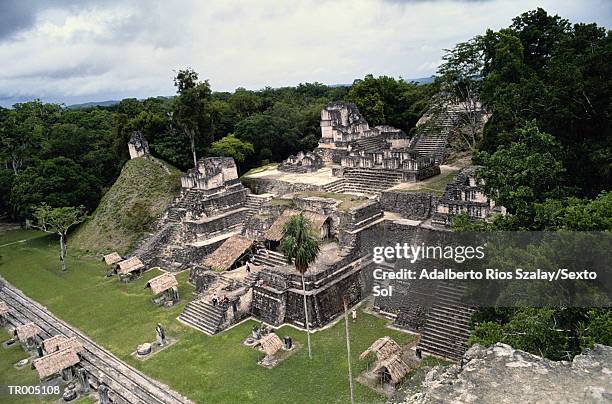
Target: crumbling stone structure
(138, 145)
(464, 194)
(302, 163)
(210, 209)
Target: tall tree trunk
(306, 320)
(348, 350)
(15, 164)
(63, 251)
(193, 150)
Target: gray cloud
(75, 51)
(20, 15)
(15, 16)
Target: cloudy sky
(93, 50)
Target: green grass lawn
(435, 185)
(215, 369)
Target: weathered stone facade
(302, 163)
(411, 205)
(210, 208)
(138, 145)
(464, 194)
(211, 173)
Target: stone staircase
(432, 139)
(370, 181)
(176, 214)
(269, 258)
(253, 203)
(251, 279)
(188, 198)
(202, 315)
(364, 181)
(368, 143)
(150, 247)
(447, 328)
(335, 186)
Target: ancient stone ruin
(349, 188)
(138, 145)
(302, 163)
(464, 194)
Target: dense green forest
(546, 155)
(70, 157)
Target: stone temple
(359, 188)
(138, 145)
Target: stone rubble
(501, 374)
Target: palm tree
(300, 245)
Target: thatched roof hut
(129, 265)
(28, 330)
(4, 308)
(271, 343)
(161, 283)
(228, 253)
(112, 258)
(275, 232)
(55, 362)
(71, 343)
(384, 348)
(51, 344)
(396, 367)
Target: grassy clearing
(131, 205)
(259, 169)
(347, 201)
(435, 185)
(282, 202)
(215, 369)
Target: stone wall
(269, 306)
(211, 205)
(417, 206)
(361, 215)
(202, 229)
(267, 185)
(419, 175)
(210, 173)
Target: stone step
(205, 310)
(442, 351)
(274, 262)
(446, 316)
(197, 325)
(203, 315)
(433, 326)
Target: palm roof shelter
(28, 334)
(59, 362)
(231, 254)
(112, 258)
(60, 342)
(165, 284)
(129, 268)
(389, 365)
(4, 311)
(270, 344)
(320, 223)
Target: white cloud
(118, 49)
